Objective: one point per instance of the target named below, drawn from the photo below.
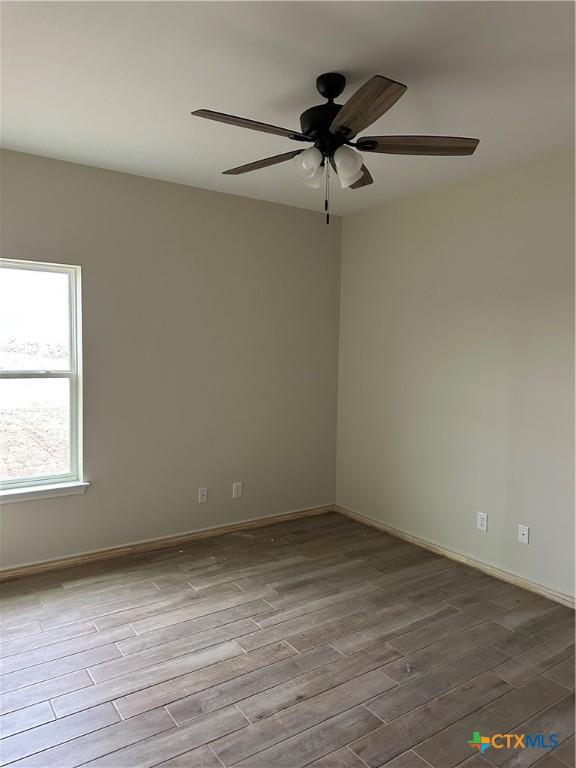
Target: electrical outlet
(523, 534)
(482, 521)
(202, 495)
(236, 490)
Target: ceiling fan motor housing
(317, 120)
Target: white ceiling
(112, 84)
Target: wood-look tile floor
(315, 642)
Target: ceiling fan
(331, 128)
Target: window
(40, 377)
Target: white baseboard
(166, 542)
(150, 545)
(513, 578)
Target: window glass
(40, 376)
(34, 320)
(34, 428)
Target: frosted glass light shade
(348, 165)
(308, 162)
(315, 181)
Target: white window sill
(38, 492)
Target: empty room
(287, 384)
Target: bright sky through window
(34, 320)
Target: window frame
(73, 375)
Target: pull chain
(327, 194)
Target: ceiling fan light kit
(331, 128)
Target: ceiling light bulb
(308, 162)
(348, 165)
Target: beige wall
(456, 367)
(210, 350)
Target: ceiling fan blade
(257, 164)
(364, 180)
(365, 106)
(418, 145)
(253, 125)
